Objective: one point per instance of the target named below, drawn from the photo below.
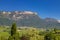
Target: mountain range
(28, 19)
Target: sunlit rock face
(27, 18)
(16, 15)
(58, 21)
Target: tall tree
(13, 29)
(13, 32)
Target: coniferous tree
(13, 32)
(13, 29)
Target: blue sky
(44, 8)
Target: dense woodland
(26, 33)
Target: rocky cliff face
(27, 18)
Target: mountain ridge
(27, 18)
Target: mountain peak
(29, 12)
(27, 18)
(20, 12)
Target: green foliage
(50, 36)
(25, 37)
(13, 35)
(28, 34)
(13, 29)
(10, 38)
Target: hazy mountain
(27, 18)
